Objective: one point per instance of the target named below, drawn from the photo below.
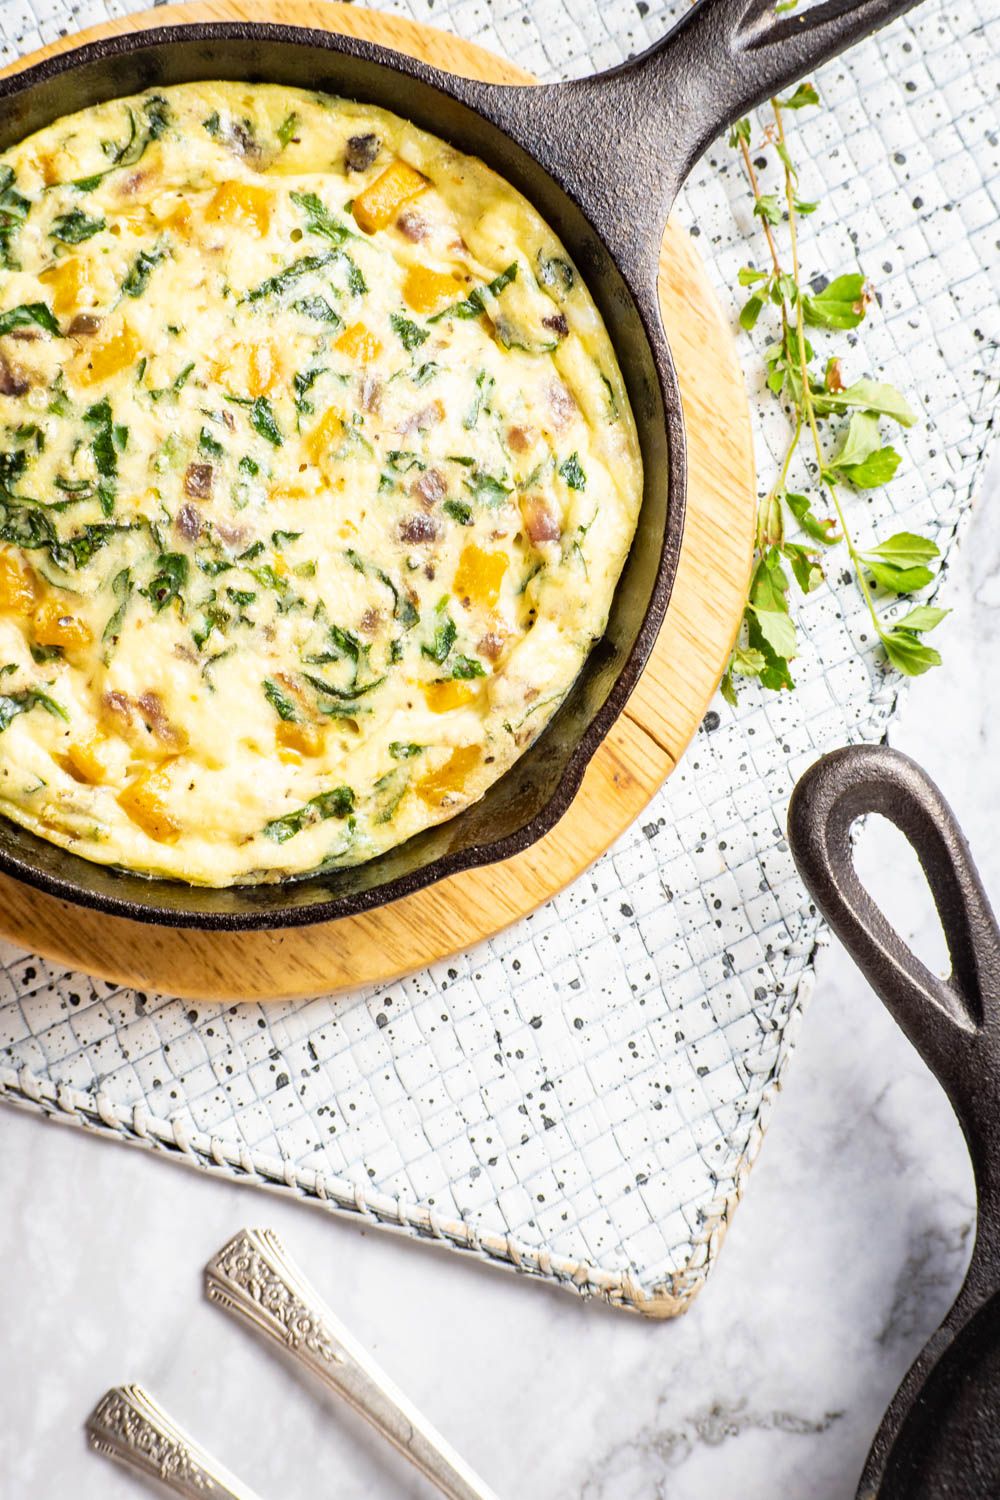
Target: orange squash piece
(87, 761)
(143, 801)
(18, 585)
(379, 204)
(241, 205)
(450, 776)
(68, 278)
(359, 343)
(326, 432)
(106, 355)
(427, 291)
(442, 697)
(479, 575)
(262, 369)
(305, 739)
(55, 627)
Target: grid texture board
(582, 1097)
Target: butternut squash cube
(18, 585)
(379, 204)
(143, 802)
(68, 279)
(242, 205)
(427, 291)
(359, 343)
(442, 697)
(263, 369)
(107, 355)
(479, 575)
(305, 739)
(55, 627)
(88, 761)
(326, 432)
(450, 776)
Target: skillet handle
(952, 1022)
(725, 57)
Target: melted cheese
(317, 475)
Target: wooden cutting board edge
(642, 749)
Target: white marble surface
(850, 1244)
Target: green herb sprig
(856, 458)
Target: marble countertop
(851, 1243)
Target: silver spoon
(130, 1426)
(254, 1277)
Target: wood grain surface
(642, 748)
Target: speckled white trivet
(583, 1096)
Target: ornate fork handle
(253, 1277)
(128, 1425)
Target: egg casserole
(317, 475)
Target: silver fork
(130, 1426)
(254, 1278)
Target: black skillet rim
(453, 863)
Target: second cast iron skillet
(602, 160)
(940, 1438)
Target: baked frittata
(317, 474)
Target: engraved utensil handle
(130, 1426)
(253, 1277)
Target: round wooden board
(642, 748)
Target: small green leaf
(870, 396)
(768, 208)
(807, 571)
(839, 305)
(908, 653)
(750, 312)
(778, 631)
(740, 133)
(899, 580)
(821, 529)
(804, 95)
(924, 617)
(904, 549)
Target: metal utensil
(254, 1277)
(602, 159)
(940, 1437)
(130, 1426)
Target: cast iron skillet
(940, 1437)
(602, 159)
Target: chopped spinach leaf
(459, 511)
(142, 268)
(75, 227)
(26, 313)
(262, 421)
(12, 704)
(275, 285)
(282, 705)
(320, 310)
(466, 667)
(14, 209)
(475, 303)
(399, 750)
(572, 471)
(338, 803)
(410, 334)
(444, 639)
(169, 580)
